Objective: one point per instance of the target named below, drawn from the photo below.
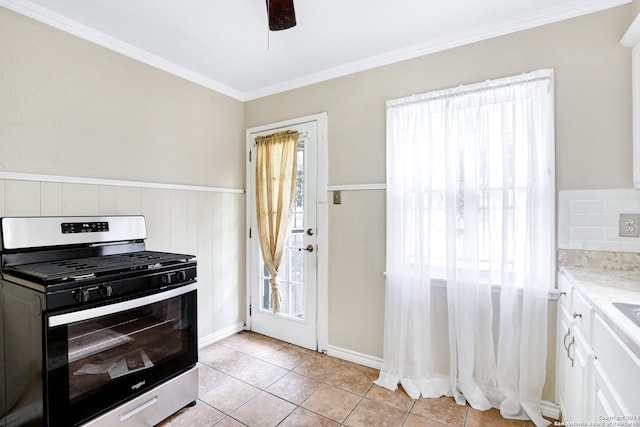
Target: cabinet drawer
(581, 313)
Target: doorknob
(309, 248)
(310, 231)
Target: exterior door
(297, 320)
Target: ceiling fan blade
(281, 14)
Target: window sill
(554, 294)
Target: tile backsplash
(588, 219)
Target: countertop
(601, 288)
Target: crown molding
(70, 26)
(632, 36)
(547, 16)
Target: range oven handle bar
(105, 310)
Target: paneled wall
(206, 223)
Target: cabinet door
(575, 357)
(606, 401)
(580, 386)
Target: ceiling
(226, 46)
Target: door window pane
(291, 272)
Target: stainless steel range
(94, 329)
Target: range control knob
(165, 279)
(81, 295)
(181, 276)
(105, 291)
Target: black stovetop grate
(82, 267)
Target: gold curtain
(276, 164)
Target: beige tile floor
(252, 380)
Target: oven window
(109, 348)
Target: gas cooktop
(89, 267)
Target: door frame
(322, 218)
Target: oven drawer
(153, 406)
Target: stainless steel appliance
(94, 329)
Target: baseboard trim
(221, 334)
(548, 409)
(354, 356)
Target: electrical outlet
(629, 225)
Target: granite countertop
(601, 288)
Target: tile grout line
(305, 357)
(291, 370)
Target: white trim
(632, 36)
(115, 182)
(635, 108)
(70, 26)
(357, 187)
(355, 357)
(550, 410)
(322, 220)
(247, 208)
(548, 16)
(221, 334)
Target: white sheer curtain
(470, 243)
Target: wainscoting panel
(208, 223)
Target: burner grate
(86, 267)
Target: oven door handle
(105, 310)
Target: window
(470, 179)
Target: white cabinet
(617, 373)
(597, 372)
(575, 355)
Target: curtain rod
(461, 90)
(301, 135)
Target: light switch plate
(629, 225)
(337, 198)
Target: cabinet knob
(576, 315)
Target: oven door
(101, 357)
